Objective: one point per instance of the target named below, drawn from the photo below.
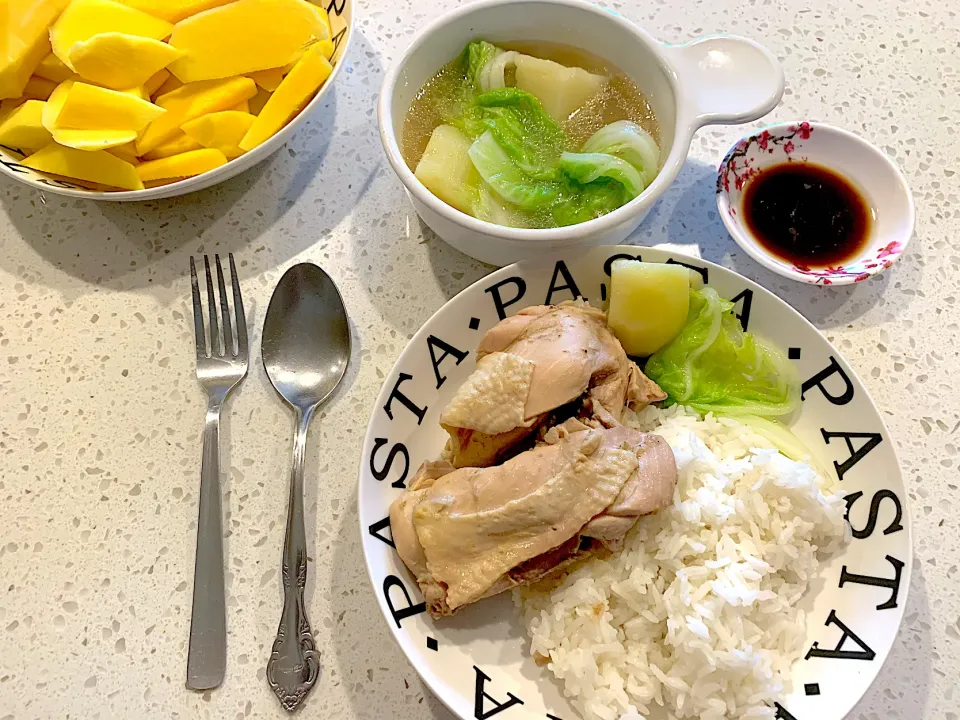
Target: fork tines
(214, 343)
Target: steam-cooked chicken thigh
(529, 365)
(469, 533)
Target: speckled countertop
(100, 416)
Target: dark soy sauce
(806, 214)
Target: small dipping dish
(815, 203)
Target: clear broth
(620, 99)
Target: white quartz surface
(100, 416)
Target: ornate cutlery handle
(294, 664)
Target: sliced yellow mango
(8, 105)
(243, 106)
(191, 101)
(174, 10)
(88, 107)
(156, 81)
(324, 17)
(85, 18)
(179, 144)
(23, 127)
(25, 43)
(258, 101)
(291, 97)
(169, 85)
(93, 139)
(185, 164)
(221, 130)
(243, 37)
(119, 61)
(126, 152)
(96, 167)
(268, 79)
(326, 48)
(38, 88)
(54, 104)
(52, 68)
(138, 92)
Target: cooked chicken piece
(533, 363)
(475, 532)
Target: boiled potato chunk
(186, 164)
(174, 10)
(23, 127)
(93, 139)
(191, 101)
(85, 18)
(243, 37)
(649, 303)
(296, 90)
(88, 107)
(120, 61)
(175, 146)
(560, 90)
(24, 44)
(220, 130)
(96, 167)
(445, 168)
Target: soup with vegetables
(531, 135)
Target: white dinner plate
(478, 662)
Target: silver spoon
(306, 348)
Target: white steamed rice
(697, 617)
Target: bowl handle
(728, 79)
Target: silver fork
(221, 364)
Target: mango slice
(88, 107)
(25, 43)
(97, 167)
(85, 18)
(23, 128)
(138, 92)
(52, 68)
(156, 81)
(242, 106)
(185, 164)
(221, 130)
(294, 93)
(38, 88)
(93, 139)
(54, 104)
(326, 48)
(127, 153)
(119, 61)
(257, 102)
(268, 79)
(174, 10)
(180, 143)
(191, 101)
(169, 85)
(243, 37)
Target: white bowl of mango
(146, 99)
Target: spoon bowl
(305, 350)
(306, 338)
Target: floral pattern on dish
(792, 142)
